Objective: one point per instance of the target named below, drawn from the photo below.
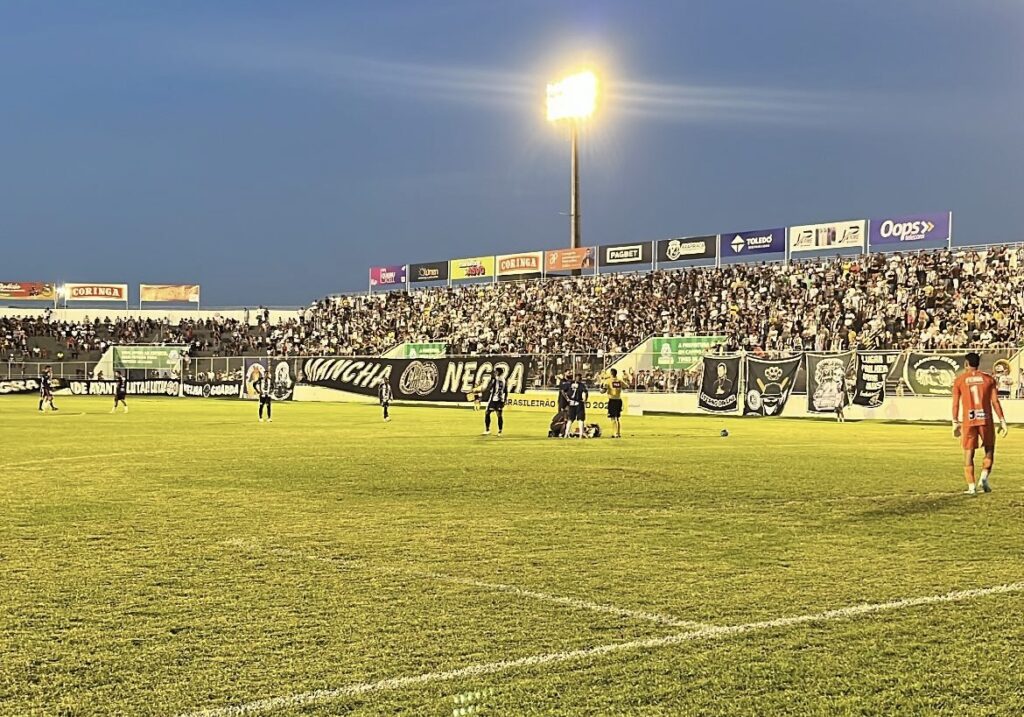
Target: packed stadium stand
(926, 300)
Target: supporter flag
(826, 381)
(720, 384)
(183, 293)
(769, 383)
(932, 374)
(873, 369)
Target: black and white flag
(873, 368)
(827, 383)
(769, 383)
(719, 384)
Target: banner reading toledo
(387, 275)
(440, 379)
(569, 259)
(27, 291)
(477, 267)
(521, 266)
(932, 374)
(873, 369)
(833, 235)
(769, 384)
(96, 292)
(720, 384)
(761, 245)
(826, 381)
(183, 293)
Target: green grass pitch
(184, 558)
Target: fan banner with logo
(452, 380)
(827, 384)
(769, 383)
(280, 371)
(210, 389)
(932, 374)
(719, 384)
(873, 368)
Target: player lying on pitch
(978, 393)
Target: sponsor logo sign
(519, 264)
(687, 248)
(387, 275)
(426, 350)
(682, 352)
(477, 267)
(96, 292)
(27, 291)
(764, 244)
(719, 384)
(569, 259)
(832, 235)
(441, 379)
(211, 389)
(151, 357)
(932, 374)
(769, 385)
(619, 254)
(430, 271)
(183, 293)
(894, 231)
(154, 387)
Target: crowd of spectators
(924, 300)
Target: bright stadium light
(573, 100)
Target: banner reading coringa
(27, 291)
(184, 293)
(476, 267)
(831, 235)
(96, 292)
(441, 379)
(526, 264)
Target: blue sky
(272, 151)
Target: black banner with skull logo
(769, 383)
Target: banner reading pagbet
(27, 291)
(477, 267)
(147, 357)
(682, 352)
(184, 293)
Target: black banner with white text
(720, 384)
(873, 368)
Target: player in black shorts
(46, 389)
(577, 396)
(613, 387)
(385, 395)
(265, 389)
(497, 396)
(120, 392)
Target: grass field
(184, 558)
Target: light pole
(572, 100)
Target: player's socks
(971, 489)
(969, 475)
(985, 472)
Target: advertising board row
(856, 235)
(72, 292)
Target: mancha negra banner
(438, 379)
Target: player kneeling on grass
(385, 396)
(974, 425)
(613, 387)
(497, 396)
(120, 391)
(265, 389)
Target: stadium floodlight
(573, 99)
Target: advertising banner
(624, 254)
(152, 357)
(96, 292)
(430, 271)
(211, 389)
(23, 385)
(720, 384)
(27, 291)
(442, 379)
(769, 384)
(387, 275)
(832, 235)
(891, 232)
(569, 259)
(477, 267)
(687, 248)
(682, 352)
(762, 245)
(149, 387)
(873, 369)
(426, 350)
(932, 374)
(181, 293)
(280, 371)
(827, 382)
(521, 265)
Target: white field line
(319, 697)
(496, 587)
(90, 457)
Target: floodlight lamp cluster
(573, 98)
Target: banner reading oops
(477, 267)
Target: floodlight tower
(572, 100)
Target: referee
(264, 386)
(385, 396)
(613, 387)
(496, 398)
